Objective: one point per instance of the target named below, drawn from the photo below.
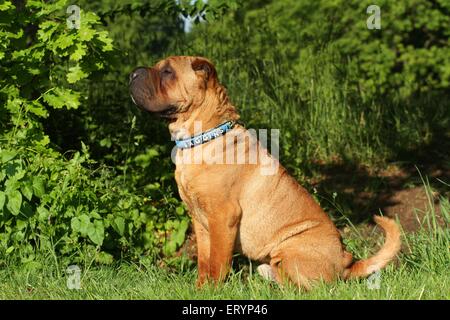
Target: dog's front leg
(203, 249)
(223, 227)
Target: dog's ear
(205, 67)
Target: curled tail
(388, 251)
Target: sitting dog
(263, 214)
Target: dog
(269, 218)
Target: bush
(68, 203)
(410, 53)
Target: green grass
(420, 273)
(130, 282)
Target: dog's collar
(206, 136)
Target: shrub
(67, 203)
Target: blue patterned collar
(206, 136)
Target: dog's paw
(266, 272)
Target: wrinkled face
(173, 85)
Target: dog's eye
(166, 71)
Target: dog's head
(172, 85)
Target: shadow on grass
(358, 192)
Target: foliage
(409, 53)
(66, 203)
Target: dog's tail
(388, 251)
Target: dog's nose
(138, 72)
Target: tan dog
(269, 218)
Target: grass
(420, 273)
(131, 282)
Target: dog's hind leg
(304, 264)
(303, 270)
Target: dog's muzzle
(139, 72)
(139, 84)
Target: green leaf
(76, 74)
(21, 224)
(89, 18)
(38, 186)
(46, 30)
(18, 236)
(7, 155)
(43, 213)
(37, 109)
(63, 41)
(85, 223)
(55, 101)
(96, 232)
(86, 34)
(177, 237)
(2, 200)
(12, 183)
(14, 202)
(119, 225)
(179, 210)
(6, 5)
(103, 37)
(94, 214)
(78, 53)
(27, 190)
(60, 97)
(106, 142)
(75, 224)
(169, 248)
(180, 234)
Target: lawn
(421, 272)
(132, 282)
